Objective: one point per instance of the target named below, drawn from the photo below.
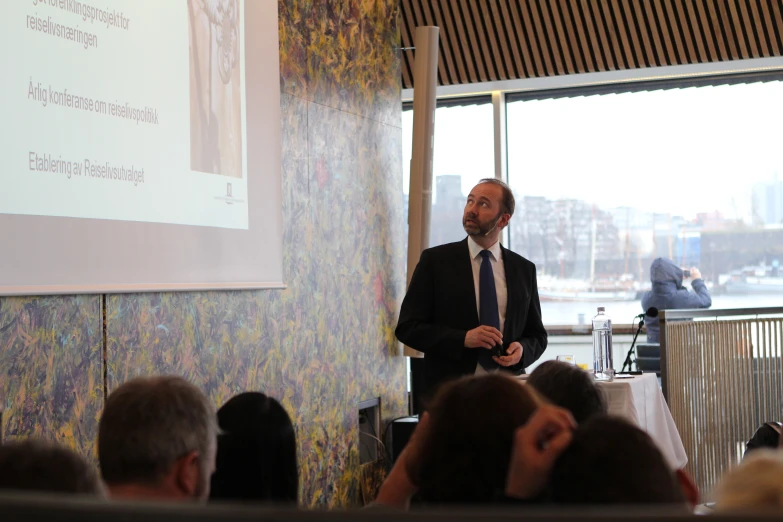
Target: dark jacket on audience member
(668, 294)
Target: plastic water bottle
(603, 364)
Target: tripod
(628, 362)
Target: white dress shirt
(498, 271)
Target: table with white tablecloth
(640, 400)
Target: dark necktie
(488, 306)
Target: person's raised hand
(695, 273)
(483, 337)
(537, 445)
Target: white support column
(425, 82)
(499, 120)
(501, 153)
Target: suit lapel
(465, 277)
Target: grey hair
(150, 422)
(508, 203)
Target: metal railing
(722, 378)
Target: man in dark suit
(468, 299)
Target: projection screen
(140, 148)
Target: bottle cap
(601, 309)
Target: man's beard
(480, 229)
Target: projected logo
(228, 197)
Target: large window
(606, 183)
(463, 154)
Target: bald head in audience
(157, 440)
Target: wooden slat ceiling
(490, 40)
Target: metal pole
(501, 157)
(425, 75)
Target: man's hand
(695, 273)
(483, 337)
(537, 445)
(512, 357)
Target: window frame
(585, 84)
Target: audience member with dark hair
(35, 465)
(569, 387)
(472, 423)
(611, 461)
(256, 457)
(461, 450)
(157, 439)
(767, 436)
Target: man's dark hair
(256, 457)
(767, 436)
(467, 450)
(569, 387)
(507, 204)
(35, 465)
(149, 423)
(611, 461)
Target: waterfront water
(623, 312)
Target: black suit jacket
(440, 308)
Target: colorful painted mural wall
(322, 345)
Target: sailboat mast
(592, 254)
